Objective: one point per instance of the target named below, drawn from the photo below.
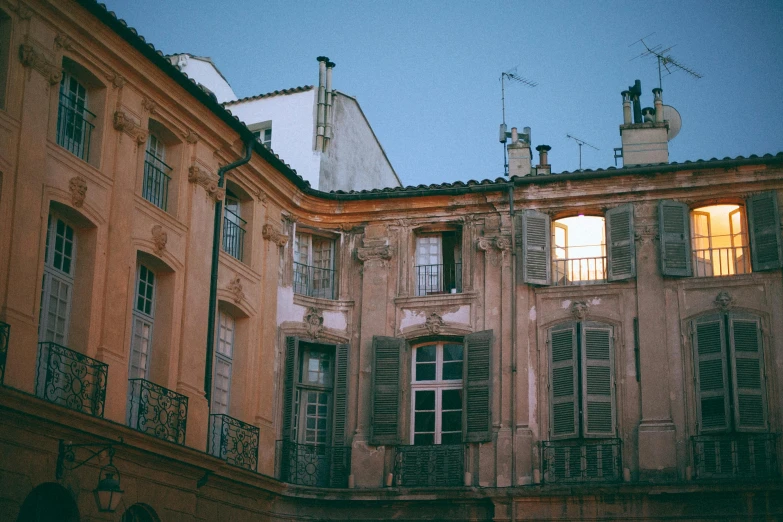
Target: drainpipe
(513, 339)
(329, 99)
(213, 277)
(321, 113)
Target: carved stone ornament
(314, 321)
(78, 188)
(494, 250)
(189, 135)
(126, 124)
(434, 323)
(35, 59)
(579, 309)
(269, 233)
(159, 238)
(235, 288)
(724, 301)
(116, 79)
(63, 42)
(374, 253)
(21, 10)
(207, 180)
(149, 105)
(259, 194)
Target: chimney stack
(519, 158)
(329, 99)
(321, 114)
(658, 95)
(626, 107)
(543, 168)
(646, 140)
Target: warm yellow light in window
(579, 237)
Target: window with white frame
(438, 263)
(264, 136)
(57, 284)
(314, 273)
(224, 356)
(143, 322)
(313, 396)
(437, 394)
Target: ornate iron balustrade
(579, 271)
(582, 460)
(438, 279)
(70, 379)
(735, 456)
(312, 465)
(716, 262)
(430, 466)
(5, 334)
(157, 411)
(234, 234)
(155, 188)
(73, 128)
(234, 441)
(313, 281)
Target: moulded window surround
(314, 266)
(438, 263)
(437, 394)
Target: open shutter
(477, 379)
(291, 354)
(340, 468)
(621, 251)
(709, 355)
(536, 236)
(597, 380)
(563, 408)
(674, 230)
(387, 367)
(764, 227)
(747, 371)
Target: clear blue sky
(427, 73)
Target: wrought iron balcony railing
(155, 188)
(582, 460)
(70, 379)
(314, 465)
(430, 466)
(234, 441)
(5, 334)
(157, 411)
(715, 262)
(735, 456)
(438, 279)
(313, 281)
(234, 235)
(579, 271)
(74, 128)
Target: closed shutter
(597, 380)
(709, 355)
(477, 414)
(386, 373)
(340, 469)
(750, 408)
(764, 227)
(621, 251)
(675, 235)
(563, 382)
(535, 248)
(291, 353)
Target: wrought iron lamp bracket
(66, 456)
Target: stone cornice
(269, 233)
(123, 123)
(207, 180)
(35, 59)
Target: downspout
(213, 277)
(513, 337)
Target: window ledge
(76, 164)
(240, 267)
(436, 300)
(334, 305)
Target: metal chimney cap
(322, 59)
(657, 90)
(544, 148)
(330, 65)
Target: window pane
(451, 438)
(425, 400)
(451, 400)
(452, 352)
(425, 354)
(423, 439)
(424, 421)
(452, 371)
(425, 372)
(451, 421)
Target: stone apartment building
(602, 345)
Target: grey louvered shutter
(764, 227)
(340, 468)
(289, 386)
(563, 393)
(477, 382)
(536, 235)
(597, 380)
(386, 373)
(675, 235)
(709, 355)
(621, 249)
(747, 361)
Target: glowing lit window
(719, 241)
(578, 250)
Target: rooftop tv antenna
(580, 143)
(511, 76)
(665, 60)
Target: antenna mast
(580, 143)
(665, 60)
(512, 76)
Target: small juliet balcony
(5, 334)
(430, 466)
(74, 127)
(579, 271)
(70, 379)
(716, 262)
(234, 441)
(314, 465)
(313, 281)
(582, 460)
(735, 456)
(234, 235)
(438, 279)
(157, 176)
(157, 411)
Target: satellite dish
(671, 115)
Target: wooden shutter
(597, 380)
(536, 235)
(477, 382)
(563, 382)
(764, 227)
(386, 373)
(747, 372)
(339, 465)
(289, 386)
(621, 249)
(675, 235)
(709, 356)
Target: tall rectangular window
(438, 263)
(224, 356)
(74, 120)
(143, 322)
(157, 174)
(314, 273)
(233, 227)
(57, 284)
(437, 394)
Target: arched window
(140, 513)
(75, 121)
(157, 174)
